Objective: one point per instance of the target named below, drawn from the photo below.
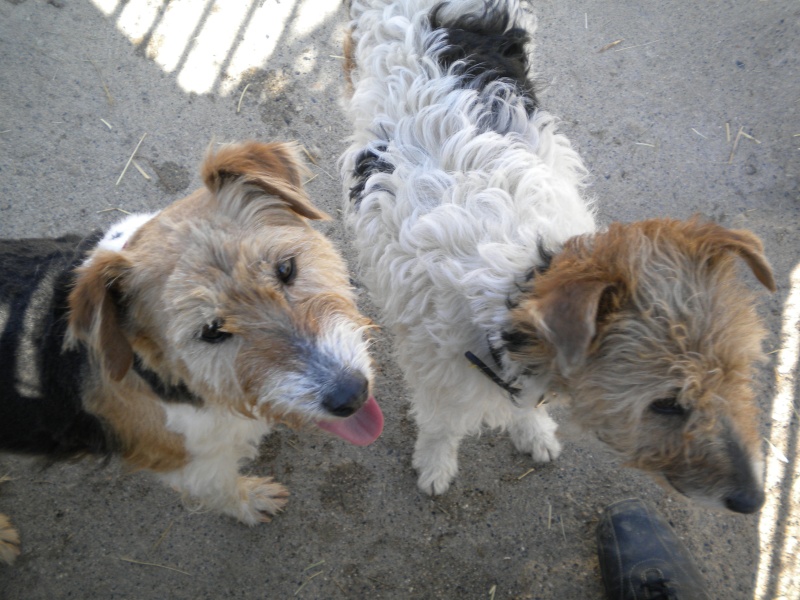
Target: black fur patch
(484, 50)
(526, 284)
(516, 341)
(36, 276)
(368, 162)
(178, 393)
(546, 257)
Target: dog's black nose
(349, 393)
(745, 500)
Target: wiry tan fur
(655, 311)
(212, 258)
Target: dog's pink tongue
(360, 429)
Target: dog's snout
(745, 500)
(348, 394)
(747, 493)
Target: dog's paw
(436, 472)
(545, 448)
(537, 436)
(9, 541)
(261, 499)
(435, 482)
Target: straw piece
(735, 144)
(316, 564)
(105, 210)
(109, 97)
(149, 564)
(778, 454)
(637, 46)
(128, 164)
(750, 137)
(525, 474)
(239, 106)
(138, 168)
(309, 578)
(163, 536)
(611, 45)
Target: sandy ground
(83, 81)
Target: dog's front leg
(442, 423)
(436, 459)
(533, 432)
(217, 443)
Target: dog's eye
(213, 334)
(667, 406)
(286, 270)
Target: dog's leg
(442, 422)
(9, 541)
(436, 458)
(214, 483)
(218, 442)
(533, 432)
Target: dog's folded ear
(567, 318)
(713, 239)
(274, 168)
(94, 316)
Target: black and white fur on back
(458, 189)
(36, 280)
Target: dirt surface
(82, 81)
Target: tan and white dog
(178, 339)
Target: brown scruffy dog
(178, 338)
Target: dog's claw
(262, 499)
(9, 541)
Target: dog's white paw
(260, 499)
(545, 448)
(9, 541)
(437, 465)
(536, 435)
(435, 482)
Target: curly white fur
(473, 191)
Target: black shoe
(641, 558)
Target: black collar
(487, 370)
(167, 392)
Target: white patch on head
(346, 344)
(120, 232)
